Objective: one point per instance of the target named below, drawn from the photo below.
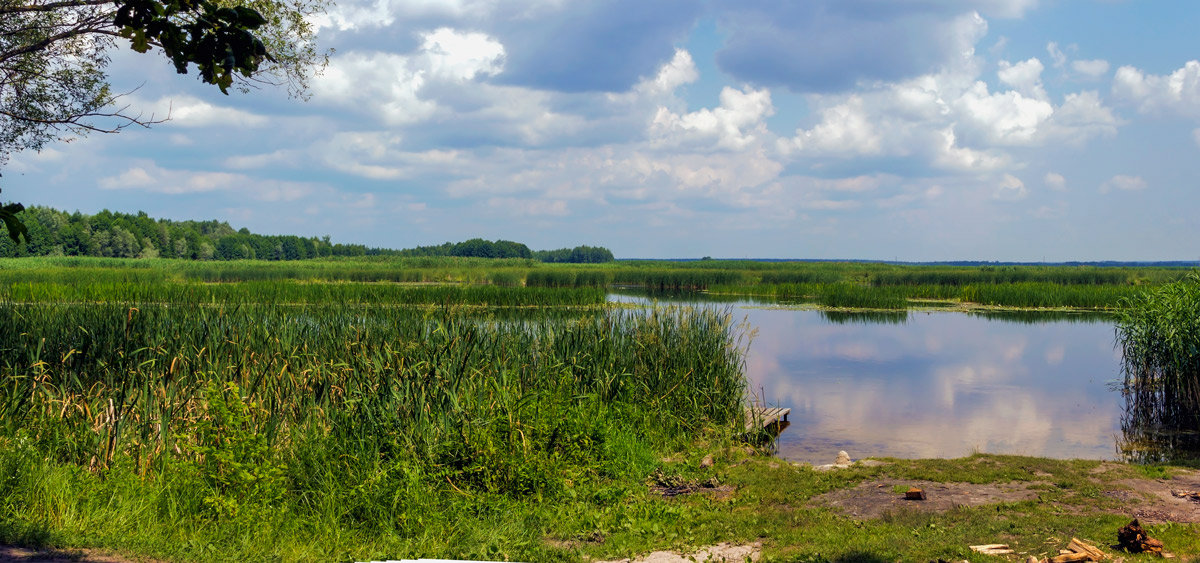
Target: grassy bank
(254, 431)
(792, 512)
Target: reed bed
(1158, 334)
(1011, 295)
(937, 275)
(370, 421)
(292, 292)
(1050, 295)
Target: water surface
(935, 384)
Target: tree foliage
(480, 248)
(123, 235)
(53, 56)
(578, 255)
(51, 232)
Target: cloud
(383, 84)
(1010, 188)
(1094, 68)
(844, 129)
(594, 45)
(359, 16)
(734, 125)
(951, 119)
(1057, 56)
(1003, 118)
(281, 157)
(461, 56)
(1124, 183)
(190, 111)
(1081, 117)
(1025, 76)
(832, 45)
(149, 177)
(1177, 93)
(392, 86)
(1055, 181)
(379, 155)
(535, 207)
(679, 71)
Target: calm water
(935, 384)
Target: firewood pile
(1133, 538)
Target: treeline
(480, 248)
(577, 255)
(122, 235)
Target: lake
(933, 384)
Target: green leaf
(16, 229)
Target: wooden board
(762, 417)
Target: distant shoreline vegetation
(124, 235)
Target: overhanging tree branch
(53, 55)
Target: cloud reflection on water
(939, 385)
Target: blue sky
(875, 129)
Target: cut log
(914, 493)
(1079, 546)
(992, 549)
(1071, 558)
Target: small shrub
(233, 460)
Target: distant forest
(123, 235)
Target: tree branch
(74, 121)
(39, 45)
(52, 6)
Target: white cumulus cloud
(460, 56)
(735, 124)
(149, 177)
(1094, 68)
(1055, 181)
(1025, 76)
(1010, 188)
(1176, 93)
(1124, 183)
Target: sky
(919, 130)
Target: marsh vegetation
(391, 407)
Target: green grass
(340, 432)
(246, 411)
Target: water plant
(1158, 333)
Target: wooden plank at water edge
(762, 417)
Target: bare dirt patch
(1155, 501)
(13, 554)
(873, 499)
(720, 553)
